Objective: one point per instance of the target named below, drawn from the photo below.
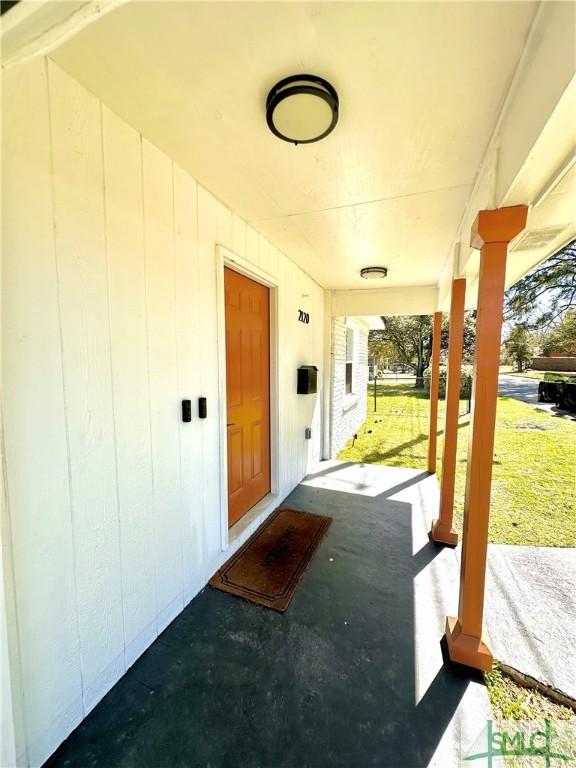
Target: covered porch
(139, 170)
(352, 674)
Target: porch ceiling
(421, 86)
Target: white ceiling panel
(420, 87)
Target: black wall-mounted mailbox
(307, 380)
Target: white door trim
(226, 258)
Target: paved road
(526, 390)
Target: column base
(443, 534)
(467, 649)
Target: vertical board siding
(207, 363)
(252, 245)
(273, 262)
(7, 679)
(284, 375)
(239, 236)
(263, 250)
(189, 330)
(83, 283)
(127, 293)
(214, 226)
(34, 417)
(295, 357)
(164, 385)
(111, 316)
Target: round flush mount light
(373, 273)
(302, 109)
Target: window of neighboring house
(349, 360)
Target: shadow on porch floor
(351, 675)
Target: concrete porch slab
(530, 612)
(351, 675)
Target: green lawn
(511, 701)
(534, 476)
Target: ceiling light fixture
(373, 273)
(302, 109)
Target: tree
(546, 293)
(408, 340)
(518, 346)
(380, 351)
(468, 337)
(411, 340)
(562, 338)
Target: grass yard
(510, 701)
(534, 476)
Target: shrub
(465, 382)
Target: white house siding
(348, 411)
(7, 745)
(110, 311)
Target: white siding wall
(7, 681)
(348, 411)
(110, 310)
(8, 676)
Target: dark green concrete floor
(337, 680)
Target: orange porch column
(434, 381)
(442, 530)
(492, 231)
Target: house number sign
(303, 317)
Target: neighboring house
(554, 362)
(349, 376)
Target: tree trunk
(419, 383)
(420, 366)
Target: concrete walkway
(530, 612)
(526, 390)
(351, 675)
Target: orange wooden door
(247, 392)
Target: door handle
(230, 425)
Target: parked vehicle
(559, 388)
(568, 398)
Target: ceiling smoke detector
(302, 109)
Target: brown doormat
(267, 568)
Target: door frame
(227, 258)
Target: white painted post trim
(7, 627)
(326, 451)
(7, 684)
(226, 258)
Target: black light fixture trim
(310, 84)
(373, 272)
